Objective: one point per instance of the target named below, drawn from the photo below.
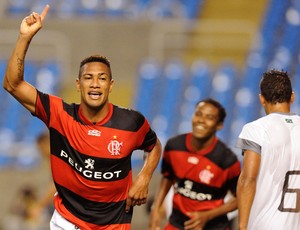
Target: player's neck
(95, 115)
(277, 108)
(202, 143)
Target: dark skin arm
(138, 192)
(157, 206)
(198, 220)
(13, 81)
(247, 186)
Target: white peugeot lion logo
(89, 163)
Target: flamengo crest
(206, 175)
(114, 147)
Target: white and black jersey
(276, 137)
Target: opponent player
(201, 169)
(269, 184)
(91, 142)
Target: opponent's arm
(139, 190)
(13, 81)
(247, 186)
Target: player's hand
(33, 22)
(137, 194)
(197, 220)
(155, 220)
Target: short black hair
(215, 103)
(276, 86)
(95, 58)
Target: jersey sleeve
(42, 107)
(166, 167)
(148, 136)
(250, 138)
(46, 105)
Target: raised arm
(138, 192)
(13, 81)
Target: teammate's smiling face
(205, 120)
(95, 84)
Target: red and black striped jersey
(201, 178)
(91, 163)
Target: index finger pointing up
(45, 11)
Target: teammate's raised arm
(13, 81)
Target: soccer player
(202, 171)
(91, 143)
(269, 184)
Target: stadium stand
(152, 9)
(18, 128)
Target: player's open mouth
(199, 127)
(94, 95)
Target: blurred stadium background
(165, 54)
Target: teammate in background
(18, 216)
(43, 204)
(91, 143)
(201, 169)
(268, 187)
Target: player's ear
(292, 98)
(78, 84)
(262, 100)
(220, 126)
(111, 85)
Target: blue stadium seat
(117, 8)
(147, 89)
(18, 128)
(48, 77)
(170, 97)
(288, 45)
(197, 86)
(13, 114)
(271, 27)
(66, 9)
(89, 8)
(224, 84)
(166, 9)
(296, 88)
(192, 8)
(19, 7)
(247, 105)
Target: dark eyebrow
(100, 74)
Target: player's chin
(200, 135)
(94, 106)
